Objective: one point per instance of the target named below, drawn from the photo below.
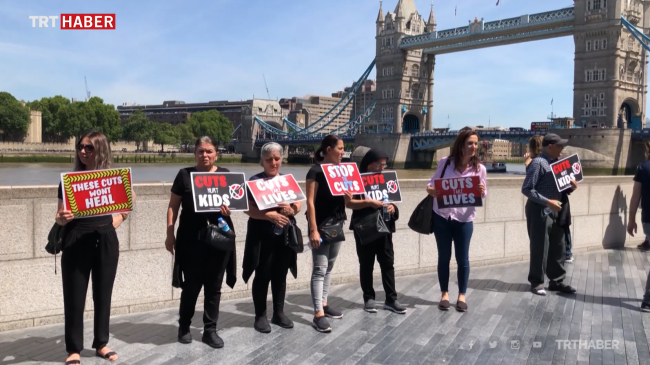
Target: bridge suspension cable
(637, 33)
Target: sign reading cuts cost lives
(280, 189)
(458, 192)
(343, 177)
(100, 192)
(211, 190)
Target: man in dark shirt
(641, 193)
(547, 245)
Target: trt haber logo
(75, 21)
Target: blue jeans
(446, 231)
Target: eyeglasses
(86, 147)
(382, 165)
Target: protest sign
(382, 184)
(280, 189)
(565, 170)
(342, 177)
(99, 192)
(459, 192)
(211, 190)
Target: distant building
(308, 109)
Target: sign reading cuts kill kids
(380, 185)
(211, 190)
(280, 189)
(459, 192)
(94, 193)
(565, 170)
(343, 177)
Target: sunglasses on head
(86, 147)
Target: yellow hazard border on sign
(67, 187)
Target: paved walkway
(506, 324)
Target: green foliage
(166, 134)
(49, 108)
(80, 117)
(138, 129)
(14, 117)
(185, 136)
(211, 123)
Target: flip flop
(72, 362)
(106, 355)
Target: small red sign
(87, 21)
(280, 189)
(101, 192)
(459, 192)
(343, 177)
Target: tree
(80, 117)
(138, 129)
(185, 136)
(49, 108)
(107, 119)
(164, 134)
(211, 123)
(14, 117)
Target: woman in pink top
(456, 224)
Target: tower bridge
(610, 73)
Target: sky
(199, 51)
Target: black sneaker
(369, 306)
(262, 324)
(321, 325)
(645, 246)
(281, 320)
(184, 335)
(645, 307)
(561, 287)
(212, 339)
(332, 313)
(569, 260)
(395, 307)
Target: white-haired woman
(266, 252)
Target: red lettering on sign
(564, 165)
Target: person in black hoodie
(375, 161)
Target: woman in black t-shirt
(324, 210)
(90, 245)
(200, 265)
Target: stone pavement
(505, 324)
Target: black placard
(565, 170)
(211, 190)
(382, 184)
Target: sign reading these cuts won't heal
(459, 192)
(343, 177)
(211, 190)
(95, 193)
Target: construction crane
(87, 92)
(266, 86)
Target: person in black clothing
(267, 253)
(90, 245)
(324, 210)
(375, 161)
(200, 265)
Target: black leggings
(95, 251)
(202, 266)
(275, 259)
(382, 248)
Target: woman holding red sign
(456, 224)
(90, 245)
(266, 252)
(200, 264)
(325, 216)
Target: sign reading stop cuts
(211, 190)
(343, 177)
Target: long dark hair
(457, 149)
(102, 151)
(329, 141)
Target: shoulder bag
(55, 239)
(370, 228)
(331, 231)
(293, 236)
(420, 220)
(216, 238)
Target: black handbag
(421, 217)
(217, 238)
(55, 239)
(293, 236)
(370, 227)
(332, 231)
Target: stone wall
(30, 291)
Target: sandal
(107, 355)
(72, 362)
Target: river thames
(15, 174)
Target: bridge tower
(404, 78)
(611, 66)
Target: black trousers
(383, 249)
(202, 267)
(547, 246)
(275, 259)
(95, 251)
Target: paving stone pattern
(501, 310)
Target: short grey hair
(271, 147)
